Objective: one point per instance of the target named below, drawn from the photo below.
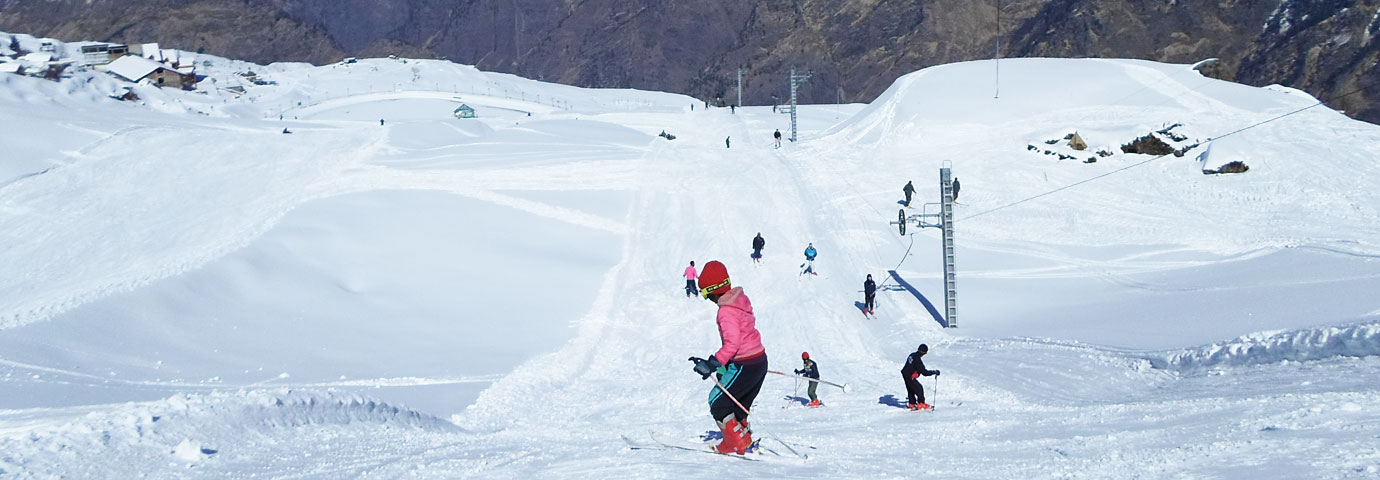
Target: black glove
(706, 367)
(936, 373)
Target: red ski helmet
(804, 355)
(714, 279)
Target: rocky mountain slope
(855, 48)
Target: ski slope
(190, 293)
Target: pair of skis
(756, 453)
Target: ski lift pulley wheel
(901, 220)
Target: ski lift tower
(796, 80)
(942, 219)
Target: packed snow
(324, 273)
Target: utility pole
(795, 81)
(996, 54)
(740, 86)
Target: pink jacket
(690, 273)
(738, 328)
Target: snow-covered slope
(188, 292)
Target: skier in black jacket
(870, 294)
(908, 190)
(811, 370)
(758, 243)
(914, 368)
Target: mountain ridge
(855, 49)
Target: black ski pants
(744, 381)
(914, 392)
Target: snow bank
(1359, 340)
(184, 428)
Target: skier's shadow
(862, 307)
(891, 401)
(711, 435)
(797, 399)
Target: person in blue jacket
(810, 254)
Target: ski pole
(846, 387)
(936, 391)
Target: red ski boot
(814, 403)
(734, 436)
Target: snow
(189, 293)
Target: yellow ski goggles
(704, 292)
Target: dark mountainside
(855, 48)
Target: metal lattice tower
(795, 81)
(947, 225)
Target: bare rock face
(854, 48)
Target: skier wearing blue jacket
(810, 254)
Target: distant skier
(810, 370)
(726, 144)
(758, 243)
(732, 108)
(380, 122)
(286, 131)
(909, 190)
(955, 189)
(777, 135)
(914, 368)
(869, 294)
(690, 276)
(810, 254)
(740, 364)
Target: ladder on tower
(946, 216)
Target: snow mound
(948, 95)
(1359, 340)
(187, 428)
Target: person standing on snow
(777, 135)
(726, 144)
(909, 190)
(869, 294)
(914, 368)
(740, 364)
(690, 277)
(810, 370)
(758, 243)
(810, 259)
(955, 189)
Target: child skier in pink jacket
(741, 363)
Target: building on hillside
(102, 53)
(137, 69)
(150, 51)
(465, 112)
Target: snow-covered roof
(10, 67)
(37, 57)
(133, 68)
(151, 51)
